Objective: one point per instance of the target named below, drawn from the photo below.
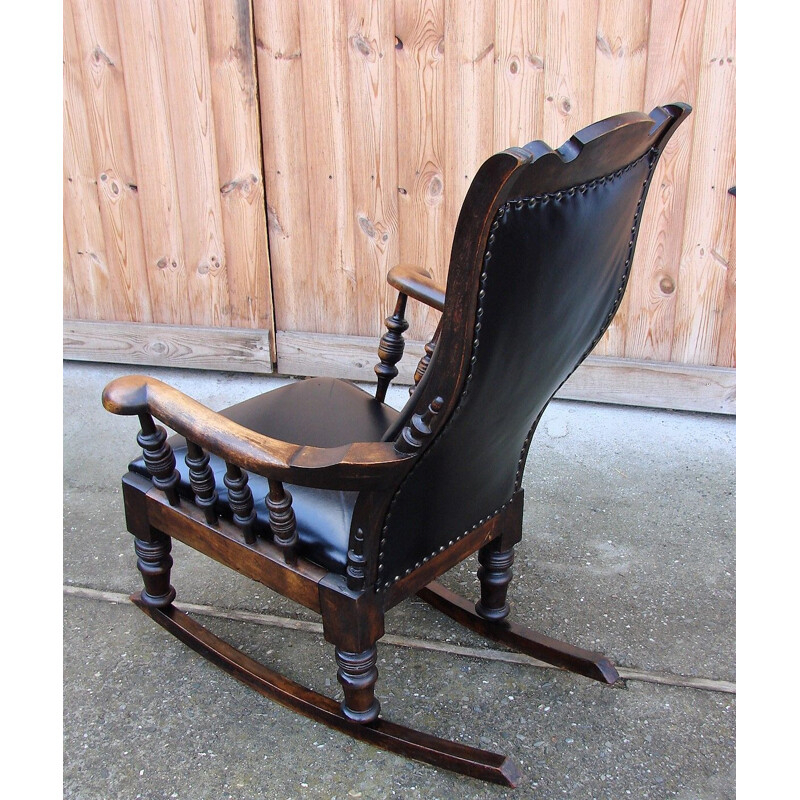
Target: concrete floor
(629, 548)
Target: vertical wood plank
(708, 235)
(151, 136)
(519, 72)
(188, 92)
(419, 73)
(372, 126)
(619, 84)
(469, 111)
(283, 133)
(673, 70)
(83, 226)
(114, 170)
(569, 68)
(160, 98)
(325, 111)
(70, 297)
(623, 28)
(726, 353)
(232, 64)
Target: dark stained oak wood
(387, 735)
(282, 520)
(391, 347)
(240, 498)
(155, 562)
(506, 525)
(262, 560)
(201, 479)
(416, 434)
(356, 466)
(356, 563)
(417, 282)
(158, 457)
(424, 362)
(494, 574)
(357, 675)
(560, 654)
(359, 585)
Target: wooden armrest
(416, 282)
(353, 466)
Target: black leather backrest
(554, 271)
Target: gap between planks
(645, 676)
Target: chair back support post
(540, 261)
(391, 347)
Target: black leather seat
(323, 515)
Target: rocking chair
(343, 504)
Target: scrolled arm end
(417, 282)
(127, 395)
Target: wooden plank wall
(350, 130)
(164, 214)
(377, 113)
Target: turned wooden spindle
(422, 366)
(356, 563)
(494, 574)
(391, 346)
(419, 429)
(155, 562)
(159, 458)
(282, 520)
(357, 674)
(240, 499)
(201, 479)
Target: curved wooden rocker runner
(347, 506)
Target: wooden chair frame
(352, 605)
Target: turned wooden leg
(357, 674)
(352, 621)
(155, 564)
(495, 574)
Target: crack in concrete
(488, 654)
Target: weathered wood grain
(70, 297)
(673, 70)
(237, 128)
(188, 93)
(620, 69)
(83, 226)
(708, 236)
(421, 146)
(284, 146)
(351, 133)
(96, 37)
(150, 120)
(570, 58)
(601, 379)
(520, 39)
(337, 356)
(332, 304)
(225, 349)
(726, 353)
(371, 121)
(469, 111)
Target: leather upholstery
(554, 274)
(320, 412)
